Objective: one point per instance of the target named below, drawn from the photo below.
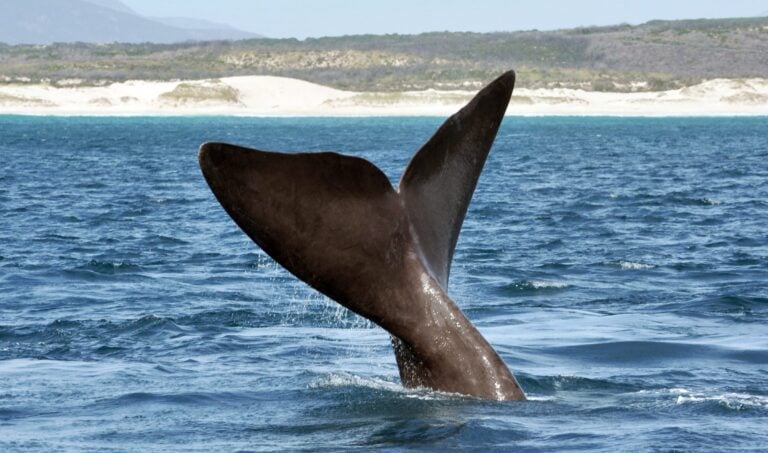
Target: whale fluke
(438, 183)
(333, 221)
(337, 223)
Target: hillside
(652, 56)
(99, 21)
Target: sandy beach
(278, 96)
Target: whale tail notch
(337, 223)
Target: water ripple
(619, 265)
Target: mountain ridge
(97, 21)
(116, 5)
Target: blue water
(618, 265)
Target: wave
(352, 381)
(148, 326)
(201, 332)
(636, 352)
(228, 318)
(735, 307)
(654, 353)
(533, 286)
(174, 399)
(732, 400)
(85, 340)
(629, 265)
(97, 269)
(673, 198)
(745, 259)
(705, 201)
(685, 266)
(547, 385)
(166, 240)
(109, 267)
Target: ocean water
(618, 265)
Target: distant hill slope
(96, 21)
(651, 56)
(116, 5)
(212, 31)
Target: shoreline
(278, 97)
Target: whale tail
(337, 223)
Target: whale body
(336, 222)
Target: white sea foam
(540, 398)
(351, 380)
(679, 391)
(732, 400)
(631, 265)
(548, 284)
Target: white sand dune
(278, 96)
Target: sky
(315, 18)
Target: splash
(347, 380)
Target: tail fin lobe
(438, 183)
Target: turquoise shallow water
(619, 266)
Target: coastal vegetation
(654, 56)
(210, 91)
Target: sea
(619, 266)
